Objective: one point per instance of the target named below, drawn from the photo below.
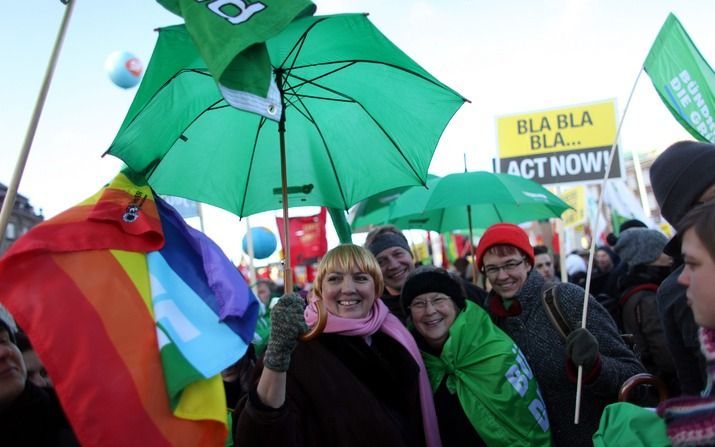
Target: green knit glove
(582, 348)
(287, 324)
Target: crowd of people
(424, 356)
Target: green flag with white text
(230, 36)
(684, 80)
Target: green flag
(492, 380)
(683, 79)
(230, 36)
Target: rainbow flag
(134, 314)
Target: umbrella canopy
(473, 200)
(375, 210)
(360, 117)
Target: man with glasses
(515, 304)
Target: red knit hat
(504, 234)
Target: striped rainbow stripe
(87, 285)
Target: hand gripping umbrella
(359, 117)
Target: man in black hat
(682, 177)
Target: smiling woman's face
(348, 294)
(433, 314)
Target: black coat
(341, 392)
(35, 419)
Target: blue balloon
(264, 242)
(124, 69)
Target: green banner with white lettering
(230, 36)
(684, 80)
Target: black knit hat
(428, 278)
(680, 175)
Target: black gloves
(287, 324)
(582, 348)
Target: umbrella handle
(639, 379)
(319, 325)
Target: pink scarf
(380, 319)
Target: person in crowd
(603, 279)
(691, 420)
(361, 382)
(392, 251)
(29, 415)
(265, 290)
(544, 264)
(642, 250)
(390, 248)
(478, 374)
(36, 372)
(576, 269)
(681, 177)
(463, 268)
(516, 305)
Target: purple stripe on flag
(201, 264)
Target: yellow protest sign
(576, 198)
(560, 145)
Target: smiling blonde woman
(362, 382)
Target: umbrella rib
(351, 62)
(250, 163)
(155, 163)
(312, 81)
(174, 76)
(311, 119)
(299, 44)
(372, 118)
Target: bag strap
(550, 299)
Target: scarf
(379, 318)
(494, 383)
(690, 420)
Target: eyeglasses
(437, 302)
(493, 270)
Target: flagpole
(592, 250)
(9, 201)
(251, 255)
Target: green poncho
(493, 381)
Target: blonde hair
(345, 257)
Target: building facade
(23, 218)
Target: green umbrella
(473, 200)
(375, 210)
(490, 198)
(359, 117)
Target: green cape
(493, 381)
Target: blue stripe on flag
(210, 346)
(205, 269)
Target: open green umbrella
(375, 210)
(359, 117)
(473, 200)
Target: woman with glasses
(484, 390)
(516, 304)
(362, 382)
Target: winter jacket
(340, 392)
(35, 419)
(681, 334)
(545, 350)
(639, 315)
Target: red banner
(308, 239)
